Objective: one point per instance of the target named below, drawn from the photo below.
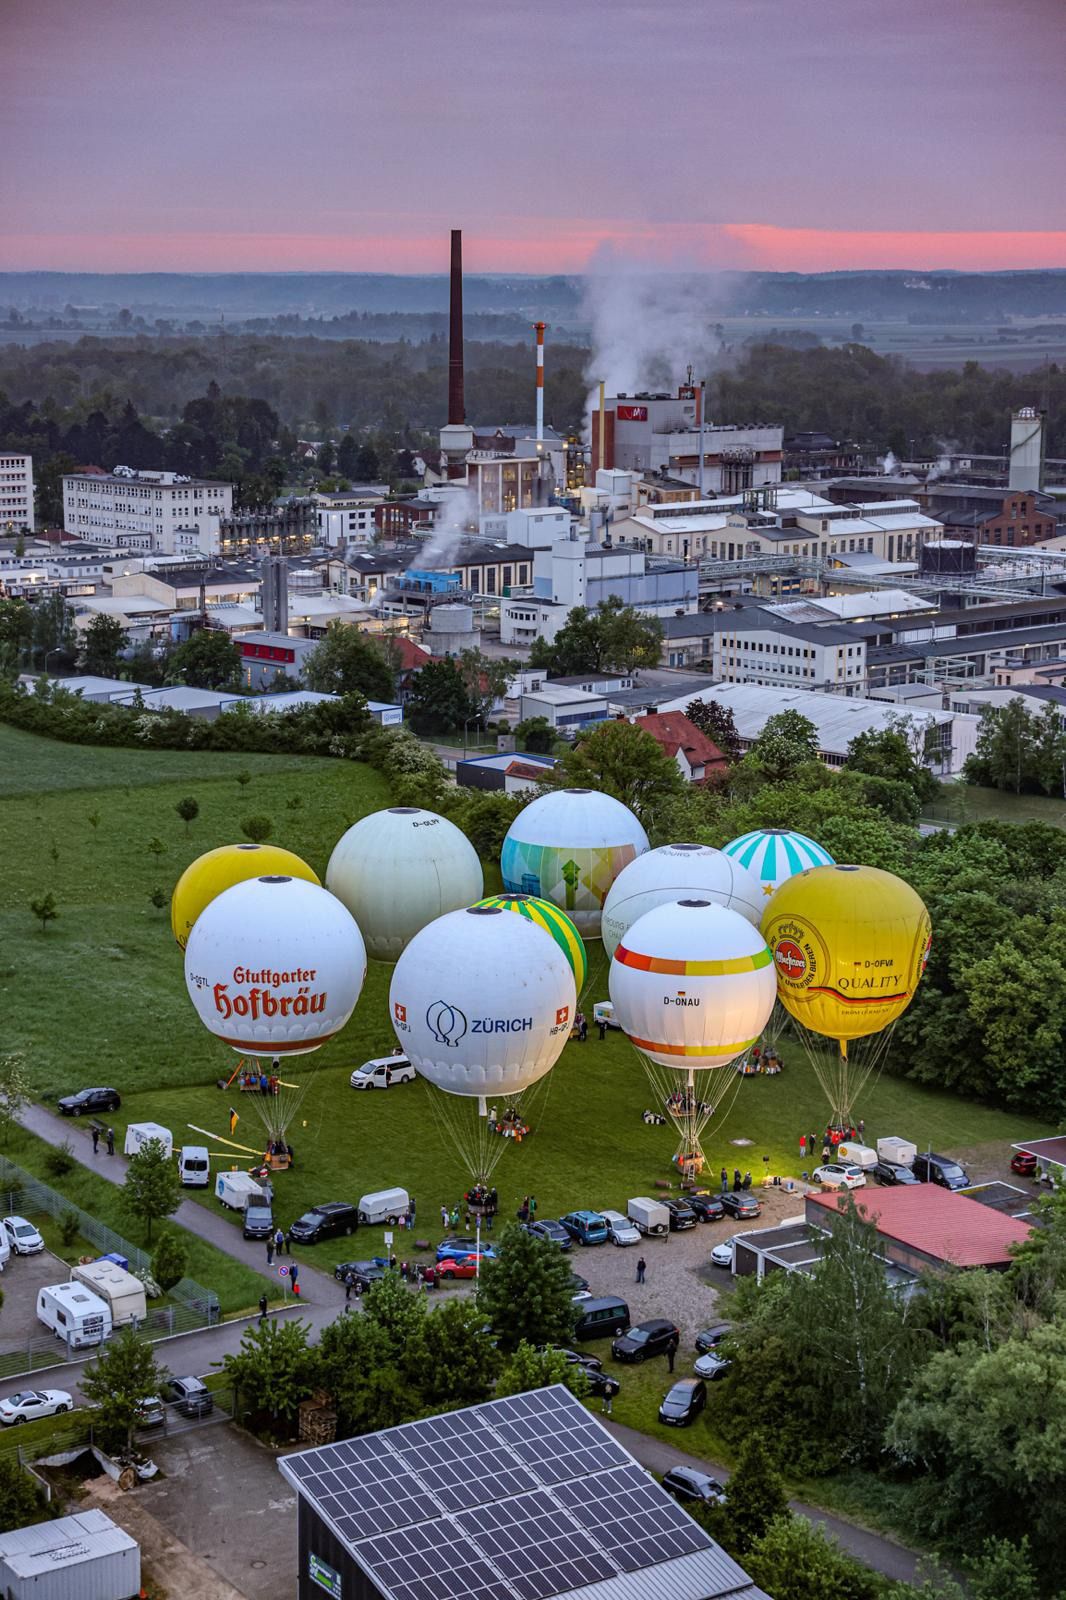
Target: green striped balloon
(553, 921)
(776, 854)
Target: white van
(74, 1313)
(619, 1228)
(138, 1134)
(194, 1167)
(383, 1072)
(386, 1205)
(237, 1190)
(123, 1293)
(5, 1248)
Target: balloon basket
(279, 1163)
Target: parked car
(681, 1215)
(620, 1230)
(712, 1366)
(23, 1237)
(683, 1403)
(327, 1221)
(722, 1254)
(650, 1338)
(89, 1100)
(554, 1232)
(382, 1073)
(587, 1227)
(362, 1273)
(941, 1170)
(1024, 1163)
(744, 1206)
(454, 1267)
(29, 1404)
(601, 1384)
(838, 1175)
(258, 1222)
(581, 1285)
(194, 1398)
(688, 1485)
(708, 1207)
(710, 1338)
(150, 1412)
(892, 1172)
(458, 1247)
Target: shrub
(60, 1159)
(69, 1225)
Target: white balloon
(693, 985)
(569, 847)
(678, 872)
(399, 869)
(274, 966)
(482, 1002)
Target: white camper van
(237, 1190)
(385, 1205)
(194, 1167)
(123, 1293)
(74, 1313)
(138, 1134)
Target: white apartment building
(16, 494)
(160, 511)
(749, 644)
(346, 517)
(799, 523)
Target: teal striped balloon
(774, 854)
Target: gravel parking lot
(23, 1277)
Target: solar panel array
(518, 1499)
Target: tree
(273, 1371)
(348, 661)
(156, 847)
(795, 1561)
(756, 1497)
(157, 898)
(530, 1368)
(526, 1292)
(188, 810)
(45, 910)
(14, 1094)
(208, 659)
(890, 753)
(440, 701)
(347, 457)
(486, 679)
(454, 1354)
(170, 1260)
(788, 740)
(1005, 757)
(151, 1190)
(324, 457)
(257, 828)
(718, 723)
(53, 631)
(537, 735)
(622, 760)
(118, 1381)
(367, 464)
(16, 636)
(101, 645)
(20, 1500)
(614, 637)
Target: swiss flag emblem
(562, 1016)
(399, 1011)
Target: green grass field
(960, 803)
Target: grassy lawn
(959, 803)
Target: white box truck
(859, 1155)
(138, 1134)
(384, 1205)
(123, 1292)
(649, 1217)
(237, 1190)
(901, 1151)
(74, 1313)
(194, 1167)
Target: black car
(941, 1170)
(193, 1397)
(683, 1403)
(88, 1100)
(554, 1232)
(652, 1338)
(686, 1484)
(708, 1207)
(892, 1172)
(580, 1284)
(258, 1222)
(681, 1215)
(738, 1204)
(710, 1338)
(601, 1384)
(325, 1222)
(362, 1273)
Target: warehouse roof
(46, 1546)
(949, 1227)
(837, 718)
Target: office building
(160, 511)
(16, 493)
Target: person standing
(444, 1218)
(725, 1181)
(601, 1027)
(263, 1307)
(810, 1145)
(96, 1139)
(582, 1029)
(608, 1397)
(862, 1128)
(110, 1141)
(803, 1147)
(532, 1207)
(279, 1242)
(736, 1180)
(294, 1273)
(671, 1352)
(411, 1210)
(270, 1251)
(642, 1267)
(347, 1288)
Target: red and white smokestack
(538, 328)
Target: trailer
(237, 1190)
(138, 1134)
(120, 1290)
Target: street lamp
(56, 650)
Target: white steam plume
(889, 464)
(458, 516)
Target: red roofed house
(921, 1225)
(697, 756)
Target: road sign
(387, 1236)
(283, 1272)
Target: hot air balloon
(677, 872)
(399, 869)
(568, 847)
(220, 869)
(553, 921)
(274, 967)
(482, 1004)
(774, 854)
(692, 986)
(850, 945)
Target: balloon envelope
(850, 945)
(568, 847)
(209, 875)
(275, 966)
(553, 921)
(775, 854)
(678, 872)
(692, 985)
(398, 870)
(482, 1002)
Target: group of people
(760, 1060)
(109, 1138)
(739, 1182)
(835, 1134)
(527, 1211)
(512, 1125)
(251, 1082)
(478, 1201)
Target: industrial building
(16, 493)
(667, 434)
(82, 1557)
(160, 511)
(506, 773)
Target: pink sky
(213, 135)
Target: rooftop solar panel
(363, 1487)
(461, 1461)
(558, 1440)
(536, 1545)
(431, 1563)
(631, 1518)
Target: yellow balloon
(850, 945)
(220, 869)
